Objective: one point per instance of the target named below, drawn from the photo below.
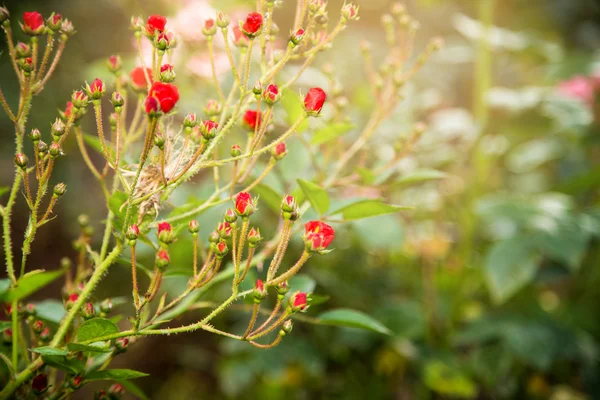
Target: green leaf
(192, 204)
(94, 142)
(71, 365)
(269, 196)
(367, 208)
(115, 203)
(3, 190)
(330, 132)
(134, 389)
(4, 287)
(316, 195)
(352, 319)
(50, 351)
(509, 266)
(95, 328)
(50, 310)
(4, 325)
(367, 176)
(448, 380)
(30, 283)
(75, 347)
(113, 374)
(292, 104)
(421, 175)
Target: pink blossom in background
(579, 87)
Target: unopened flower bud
(88, 311)
(244, 205)
(279, 151)
(71, 301)
(26, 65)
(39, 384)
(79, 99)
(136, 24)
(106, 306)
(42, 148)
(213, 107)
(317, 236)
(133, 232)
(214, 237)
(95, 90)
(116, 390)
(35, 135)
(159, 140)
(222, 20)
(54, 22)
(167, 73)
(121, 344)
(220, 249)
(76, 382)
(60, 189)
(83, 220)
(254, 238)
(162, 259)
(114, 63)
(271, 94)
(117, 101)
(209, 28)
(236, 150)
(55, 150)
(7, 335)
(67, 29)
(287, 326)
(314, 100)
(22, 50)
(208, 129)
(33, 23)
(38, 326)
(164, 41)
(165, 233)
(299, 302)
(58, 128)
(297, 36)
(30, 310)
(257, 88)
(230, 216)
(350, 12)
(259, 291)
(282, 289)
(4, 14)
(224, 229)
(45, 334)
(194, 227)
(21, 161)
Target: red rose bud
(117, 101)
(289, 208)
(244, 205)
(194, 227)
(121, 344)
(282, 289)
(7, 335)
(155, 23)
(251, 27)
(167, 73)
(350, 12)
(251, 119)
(254, 238)
(33, 23)
(79, 99)
(166, 94)
(236, 150)
(271, 94)
(259, 291)
(116, 390)
(26, 65)
(279, 151)
(314, 100)
(101, 395)
(165, 41)
(222, 20)
(165, 233)
(114, 64)
(96, 89)
(220, 249)
(297, 36)
(224, 230)
(317, 236)
(30, 310)
(138, 78)
(213, 107)
(45, 335)
(209, 28)
(76, 382)
(39, 384)
(22, 50)
(133, 232)
(239, 39)
(54, 22)
(162, 259)
(106, 306)
(4, 14)
(190, 120)
(230, 216)
(38, 326)
(208, 129)
(299, 302)
(21, 161)
(152, 106)
(71, 301)
(88, 311)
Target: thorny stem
(282, 246)
(252, 320)
(211, 55)
(48, 210)
(272, 327)
(251, 251)
(267, 346)
(240, 249)
(230, 57)
(11, 49)
(61, 47)
(292, 271)
(46, 57)
(136, 295)
(139, 43)
(270, 317)
(7, 107)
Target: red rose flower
(318, 235)
(166, 94)
(33, 22)
(151, 105)
(138, 78)
(253, 23)
(155, 23)
(244, 205)
(251, 119)
(314, 100)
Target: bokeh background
(490, 286)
